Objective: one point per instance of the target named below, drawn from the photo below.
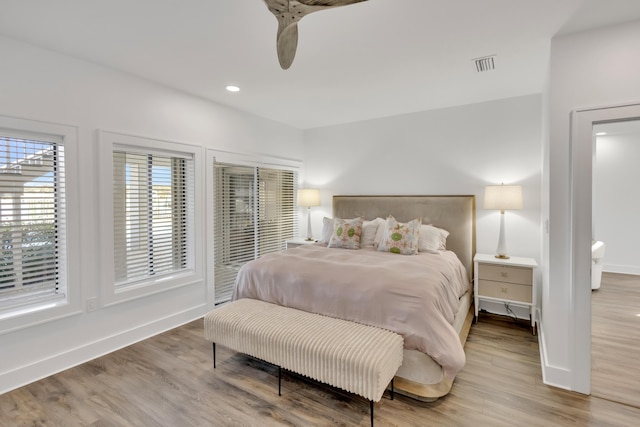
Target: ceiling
(368, 60)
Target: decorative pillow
(327, 229)
(432, 239)
(400, 238)
(346, 233)
(369, 231)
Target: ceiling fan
(288, 13)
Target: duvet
(415, 296)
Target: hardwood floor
(168, 380)
(615, 338)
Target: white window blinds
(32, 206)
(152, 206)
(253, 215)
(275, 209)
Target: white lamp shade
(308, 197)
(503, 197)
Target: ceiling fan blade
(288, 13)
(287, 44)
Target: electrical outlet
(92, 304)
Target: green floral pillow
(400, 238)
(346, 233)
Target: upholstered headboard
(456, 214)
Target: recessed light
(233, 88)
(600, 133)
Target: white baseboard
(551, 375)
(59, 362)
(621, 269)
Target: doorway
(582, 153)
(615, 304)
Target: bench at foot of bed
(354, 357)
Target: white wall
(615, 201)
(448, 151)
(589, 69)
(42, 85)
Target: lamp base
(501, 252)
(309, 233)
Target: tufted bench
(354, 357)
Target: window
(151, 205)
(254, 214)
(32, 207)
(152, 186)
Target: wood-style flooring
(168, 380)
(615, 339)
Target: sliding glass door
(254, 214)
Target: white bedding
(413, 295)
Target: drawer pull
(504, 274)
(504, 290)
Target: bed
(426, 297)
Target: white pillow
(380, 233)
(327, 229)
(369, 232)
(432, 239)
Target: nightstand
(510, 281)
(298, 241)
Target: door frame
(581, 150)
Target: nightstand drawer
(502, 273)
(502, 290)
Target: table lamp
(502, 197)
(309, 197)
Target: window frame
(29, 314)
(111, 291)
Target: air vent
(485, 63)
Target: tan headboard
(456, 214)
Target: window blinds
(152, 204)
(253, 215)
(275, 209)
(234, 225)
(32, 206)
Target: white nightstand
(298, 241)
(509, 281)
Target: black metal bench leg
(279, 381)
(371, 410)
(214, 355)
(391, 388)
